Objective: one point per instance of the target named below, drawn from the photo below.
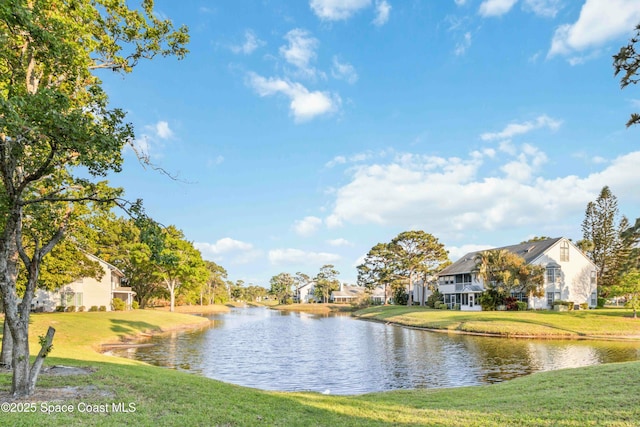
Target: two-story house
(570, 276)
(87, 291)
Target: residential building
(87, 291)
(305, 293)
(570, 276)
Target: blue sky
(305, 132)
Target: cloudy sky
(305, 132)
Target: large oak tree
(58, 136)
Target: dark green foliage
(93, 308)
(627, 62)
(102, 308)
(436, 296)
(400, 296)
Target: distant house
(87, 291)
(570, 276)
(346, 294)
(305, 293)
(378, 295)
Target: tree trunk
(172, 292)
(7, 346)
(37, 364)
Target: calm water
(273, 350)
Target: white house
(87, 291)
(570, 276)
(305, 293)
(346, 294)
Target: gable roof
(529, 251)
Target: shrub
(60, 309)
(70, 309)
(444, 306)
(601, 302)
(400, 296)
(93, 308)
(102, 308)
(511, 303)
(135, 305)
(584, 306)
(81, 308)
(522, 306)
(435, 297)
(456, 307)
(288, 301)
(118, 305)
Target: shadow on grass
(126, 328)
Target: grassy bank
(593, 396)
(605, 323)
(315, 308)
(198, 309)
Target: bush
(435, 297)
(456, 307)
(568, 304)
(135, 305)
(601, 302)
(81, 308)
(511, 303)
(102, 308)
(522, 306)
(584, 306)
(400, 296)
(93, 308)
(443, 306)
(70, 309)
(60, 309)
(118, 305)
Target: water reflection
(275, 350)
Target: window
(593, 277)
(594, 299)
(553, 274)
(550, 299)
(564, 251)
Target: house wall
(306, 294)
(575, 282)
(87, 292)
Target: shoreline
(621, 338)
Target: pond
(338, 354)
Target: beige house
(87, 291)
(570, 276)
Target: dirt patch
(66, 370)
(61, 394)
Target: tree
(504, 272)
(627, 62)
(281, 287)
(602, 238)
(630, 286)
(378, 268)
(418, 256)
(326, 282)
(57, 134)
(179, 265)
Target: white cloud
(162, 130)
(300, 51)
(450, 195)
(338, 160)
(383, 9)
(496, 7)
(297, 256)
(304, 105)
(460, 2)
(514, 129)
(339, 242)
(251, 43)
(307, 226)
(235, 251)
(599, 22)
(545, 8)
(463, 45)
(337, 10)
(344, 71)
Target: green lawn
(603, 395)
(604, 323)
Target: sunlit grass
(314, 308)
(581, 323)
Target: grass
(198, 309)
(604, 323)
(604, 395)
